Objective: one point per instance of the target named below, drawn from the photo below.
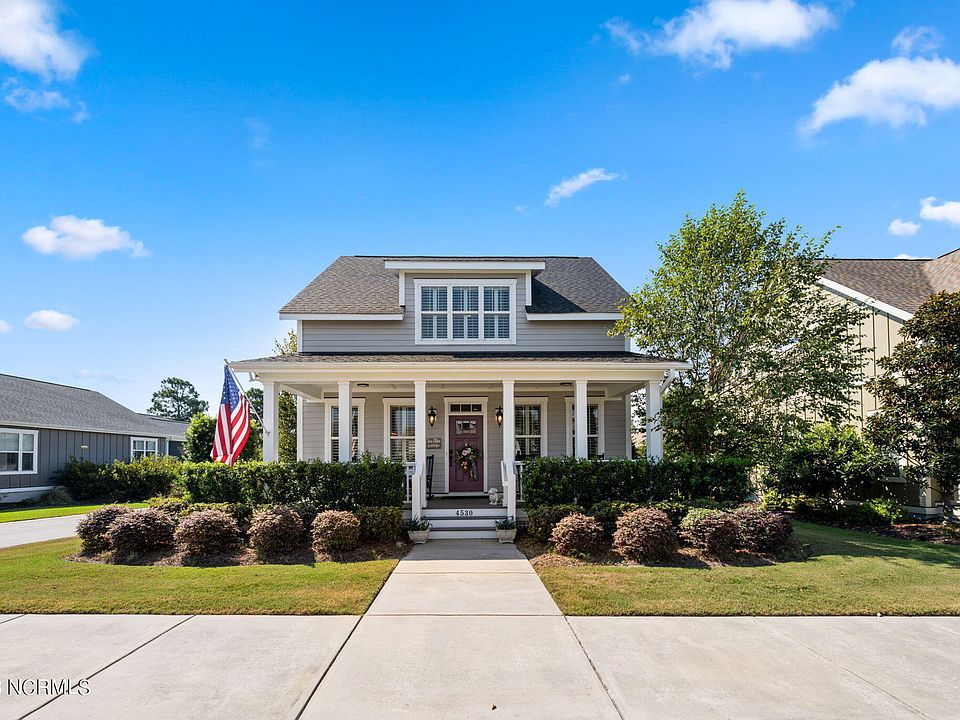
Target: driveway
(465, 629)
(21, 532)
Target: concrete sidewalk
(465, 629)
(21, 532)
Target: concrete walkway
(465, 629)
(21, 532)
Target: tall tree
(286, 407)
(919, 397)
(198, 440)
(738, 297)
(177, 399)
(255, 397)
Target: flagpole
(226, 364)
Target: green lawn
(850, 573)
(35, 513)
(36, 579)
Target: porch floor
(456, 502)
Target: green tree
(177, 399)
(739, 298)
(198, 440)
(286, 407)
(255, 396)
(919, 397)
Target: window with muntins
(143, 447)
(18, 451)
(466, 312)
(528, 432)
(402, 428)
(335, 432)
(593, 429)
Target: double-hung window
(143, 447)
(528, 431)
(18, 451)
(594, 429)
(334, 433)
(401, 432)
(466, 311)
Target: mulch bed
(247, 556)
(542, 555)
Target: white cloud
(903, 227)
(623, 33)
(908, 256)
(259, 134)
(713, 32)
(919, 39)
(84, 238)
(5, 327)
(29, 100)
(897, 91)
(50, 320)
(624, 79)
(31, 40)
(570, 186)
(948, 211)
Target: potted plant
(506, 530)
(418, 530)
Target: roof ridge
(51, 382)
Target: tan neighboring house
(892, 290)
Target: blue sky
(172, 174)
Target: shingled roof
(361, 285)
(35, 403)
(903, 283)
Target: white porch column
(345, 430)
(419, 445)
(580, 418)
(509, 451)
(654, 431)
(271, 419)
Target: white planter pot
(506, 536)
(418, 537)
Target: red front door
(466, 430)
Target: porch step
(461, 533)
(491, 513)
(443, 523)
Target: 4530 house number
(464, 513)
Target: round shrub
(540, 520)
(607, 512)
(645, 534)
(139, 532)
(93, 528)
(240, 512)
(335, 531)
(380, 524)
(276, 531)
(577, 534)
(208, 532)
(714, 532)
(760, 531)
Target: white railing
(518, 474)
(409, 470)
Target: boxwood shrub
(380, 524)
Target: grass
(850, 573)
(36, 513)
(36, 579)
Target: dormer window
(466, 311)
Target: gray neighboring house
(43, 424)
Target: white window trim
(388, 404)
(358, 402)
(450, 283)
(36, 451)
(598, 401)
(145, 440)
(542, 402)
(447, 413)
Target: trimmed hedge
(714, 532)
(568, 480)
(380, 524)
(207, 533)
(139, 532)
(277, 531)
(119, 480)
(577, 534)
(541, 520)
(94, 526)
(335, 531)
(608, 512)
(645, 534)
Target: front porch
(427, 414)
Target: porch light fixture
(432, 415)
(498, 414)
(363, 385)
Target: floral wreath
(468, 456)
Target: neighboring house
(417, 357)
(43, 425)
(891, 290)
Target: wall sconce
(498, 414)
(432, 416)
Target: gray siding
(615, 434)
(376, 335)
(55, 447)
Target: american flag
(233, 422)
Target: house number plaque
(433, 443)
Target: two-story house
(423, 359)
